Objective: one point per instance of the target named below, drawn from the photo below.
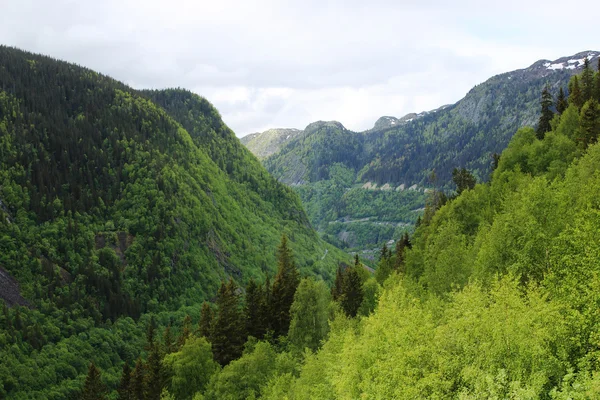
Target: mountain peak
(575, 61)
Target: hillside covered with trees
(418, 151)
(118, 207)
(494, 296)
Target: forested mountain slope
(399, 153)
(495, 296)
(116, 203)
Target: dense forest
(119, 207)
(494, 296)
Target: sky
(284, 64)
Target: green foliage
(284, 287)
(93, 388)
(191, 368)
(310, 314)
(546, 114)
(228, 330)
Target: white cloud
(269, 63)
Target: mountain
(117, 204)
(401, 153)
(269, 142)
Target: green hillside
(495, 296)
(114, 204)
(398, 154)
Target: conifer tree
(206, 317)
(185, 331)
(137, 381)
(265, 311)
(352, 292)
(93, 388)
(336, 289)
(253, 310)
(597, 83)
(168, 342)
(284, 287)
(124, 390)
(575, 95)
(587, 81)
(590, 123)
(561, 101)
(154, 374)
(150, 332)
(401, 245)
(545, 116)
(228, 327)
(384, 267)
(463, 179)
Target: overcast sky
(267, 64)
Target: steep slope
(116, 203)
(268, 142)
(401, 153)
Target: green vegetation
(494, 296)
(115, 206)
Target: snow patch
(556, 66)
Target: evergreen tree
(206, 317)
(253, 310)
(150, 332)
(463, 179)
(137, 381)
(561, 101)
(125, 390)
(589, 123)
(587, 81)
(336, 289)
(384, 267)
(401, 245)
(168, 342)
(575, 95)
(185, 331)
(284, 287)
(266, 306)
(545, 116)
(153, 384)
(93, 388)
(597, 83)
(228, 327)
(352, 292)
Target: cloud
(269, 63)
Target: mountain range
(402, 153)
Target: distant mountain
(402, 152)
(268, 142)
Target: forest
(118, 206)
(494, 295)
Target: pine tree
(228, 327)
(93, 388)
(150, 332)
(384, 267)
(352, 292)
(206, 317)
(590, 123)
(587, 81)
(168, 342)
(284, 287)
(153, 380)
(546, 114)
(597, 83)
(575, 95)
(336, 289)
(137, 381)
(125, 390)
(253, 310)
(561, 101)
(185, 331)
(401, 245)
(463, 180)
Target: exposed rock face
(9, 290)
